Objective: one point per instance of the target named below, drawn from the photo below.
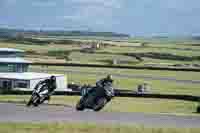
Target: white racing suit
(42, 90)
(44, 93)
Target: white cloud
(99, 8)
(102, 3)
(96, 13)
(8, 2)
(11, 1)
(72, 17)
(40, 3)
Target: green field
(131, 84)
(86, 128)
(157, 86)
(115, 50)
(119, 50)
(176, 74)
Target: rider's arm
(109, 88)
(51, 93)
(40, 83)
(100, 83)
(37, 85)
(52, 88)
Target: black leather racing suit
(107, 85)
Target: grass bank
(86, 128)
(124, 104)
(91, 75)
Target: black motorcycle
(94, 98)
(36, 97)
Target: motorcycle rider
(101, 94)
(106, 83)
(101, 84)
(49, 85)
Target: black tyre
(29, 103)
(42, 101)
(80, 105)
(35, 104)
(100, 104)
(35, 100)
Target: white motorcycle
(39, 95)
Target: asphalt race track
(10, 112)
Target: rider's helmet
(53, 78)
(109, 78)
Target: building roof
(27, 75)
(10, 50)
(14, 60)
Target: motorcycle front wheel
(100, 104)
(80, 105)
(35, 100)
(29, 102)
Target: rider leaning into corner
(107, 84)
(49, 85)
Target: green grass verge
(131, 84)
(149, 105)
(158, 86)
(155, 73)
(86, 128)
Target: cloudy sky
(135, 17)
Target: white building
(14, 72)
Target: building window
(21, 84)
(6, 84)
(11, 67)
